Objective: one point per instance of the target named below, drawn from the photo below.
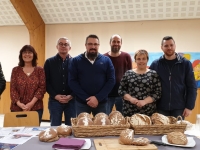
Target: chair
(22, 118)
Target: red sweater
(24, 88)
(121, 63)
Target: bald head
(117, 36)
(115, 43)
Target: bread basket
(98, 130)
(160, 129)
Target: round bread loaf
(84, 121)
(117, 119)
(178, 138)
(159, 119)
(84, 114)
(141, 141)
(126, 137)
(99, 120)
(48, 135)
(113, 113)
(102, 115)
(140, 119)
(64, 130)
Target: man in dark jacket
(178, 83)
(91, 78)
(2, 81)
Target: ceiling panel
(87, 11)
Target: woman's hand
(141, 103)
(133, 100)
(21, 105)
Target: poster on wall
(193, 57)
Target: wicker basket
(98, 130)
(158, 129)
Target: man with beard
(177, 78)
(91, 78)
(121, 62)
(60, 95)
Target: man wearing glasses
(91, 78)
(2, 81)
(60, 96)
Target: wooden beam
(35, 25)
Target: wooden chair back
(22, 118)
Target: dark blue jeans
(56, 110)
(40, 113)
(118, 104)
(175, 113)
(80, 107)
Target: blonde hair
(141, 51)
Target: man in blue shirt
(91, 78)
(179, 89)
(60, 96)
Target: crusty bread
(178, 138)
(64, 130)
(84, 114)
(126, 137)
(159, 119)
(100, 120)
(172, 120)
(102, 115)
(84, 121)
(140, 119)
(113, 113)
(117, 119)
(48, 135)
(141, 141)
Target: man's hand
(92, 101)
(186, 112)
(63, 98)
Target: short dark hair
(167, 38)
(27, 48)
(91, 36)
(114, 36)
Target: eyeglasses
(91, 44)
(63, 44)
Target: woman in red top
(28, 85)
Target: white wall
(12, 39)
(135, 35)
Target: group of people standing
(93, 83)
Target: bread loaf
(159, 119)
(102, 115)
(64, 130)
(84, 121)
(126, 137)
(141, 141)
(100, 120)
(114, 112)
(140, 119)
(178, 138)
(84, 114)
(117, 119)
(48, 135)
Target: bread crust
(64, 130)
(159, 119)
(48, 135)
(126, 137)
(178, 138)
(84, 121)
